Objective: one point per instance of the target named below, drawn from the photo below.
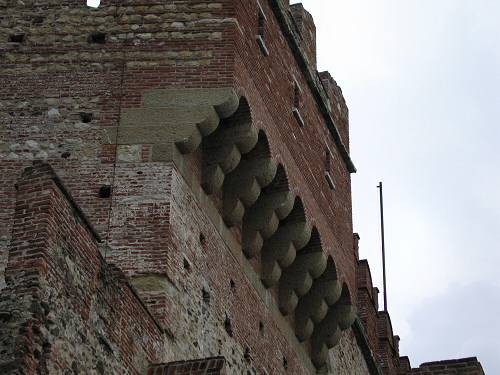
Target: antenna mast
(383, 242)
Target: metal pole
(383, 242)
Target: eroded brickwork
(64, 309)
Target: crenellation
(306, 30)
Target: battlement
(306, 29)
(377, 327)
(452, 367)
(377, 324)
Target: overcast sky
(422, 79)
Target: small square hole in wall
(105, 191)
(203, 241)
(86, 117)
(97, 38)
(38, 20)
(186, 264)
(16, 38)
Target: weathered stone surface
(346, 358)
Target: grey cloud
(463, 322)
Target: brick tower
(176, 195)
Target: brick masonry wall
(78, 295)
(52, 80)
(465, 366)
(269, 89)
(347, 358)
(367, 303)
(304, 24)
(214, 309)
(377, 324)
(63, 308)
(69, 77)
(63, 94)
(338, 105)
(387, 352)
(59, 77)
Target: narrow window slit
(203, 241)
(285, 363)
(297, 103)
(206, 296)
(227, 326)
(328, 169)
(186, 264)
(247, 355)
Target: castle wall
(466, 366)
(74, 92)
(348, 359)
(61, 77)
(270, 91)
(69, 92)
(367, 303)
(200, 142)
(63, 308)
(79, 312)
